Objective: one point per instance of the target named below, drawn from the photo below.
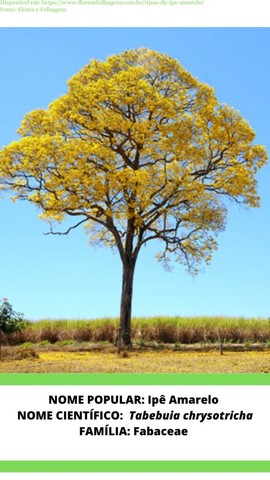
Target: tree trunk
(124, 337)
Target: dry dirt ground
(135, 361)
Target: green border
(135, 466)
(134, 379)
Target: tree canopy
(10, 321)
(136, 150)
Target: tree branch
(51, 232)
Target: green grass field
(160, 345)
(168, 330)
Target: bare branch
(51, 232)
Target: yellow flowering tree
(136, 150)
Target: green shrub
(10, 321)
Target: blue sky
(62, 277)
